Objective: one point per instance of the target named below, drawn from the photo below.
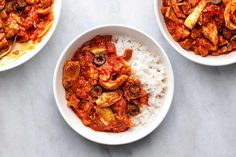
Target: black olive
(99, 59)
(21, 4)
(134, 89)
(96, 91)
(133, 109)
(114, 76)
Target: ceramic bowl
(209, 60)
(135, 133)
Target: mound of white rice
(150, 71)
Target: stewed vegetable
(206, 27)
(100, 88)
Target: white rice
(148, 68)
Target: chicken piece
(183, 31)
(206, 44)
(176, 9)
(195, 33)
(202, 51)
(91, 74)
(82, 89)
(192, 19)
(210, 32)
(12, 29)
(73, 101)
(187, 44)
(83, 110)
(170, 14)
(113, 84)
(108, 99)
(186, 8)
(71, 73)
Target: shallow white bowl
(27, 56)
(74, 122)
(209, 60)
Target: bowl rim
(167, 103)
(45, 40)
(180, 50)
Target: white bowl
(31, 53)
(209, 60)
(74, 122)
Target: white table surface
(201, 121)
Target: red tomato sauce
(100, 88)
(213, 33)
